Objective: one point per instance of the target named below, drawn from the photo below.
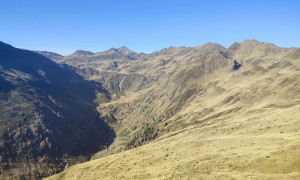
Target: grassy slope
(244, 125)
(262, 143)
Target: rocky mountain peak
(251, 44)
(254, 48)
(82, 53)
(124, 50)
(210, 47)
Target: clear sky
(64, 26)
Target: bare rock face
(113, 65)
(236, 66)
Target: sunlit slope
(243, 124)
(197, 84)
(259, 143)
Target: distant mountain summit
(82, 53)
(254, 48)
(210, 47)
(124, 50)
(51, 55)
(123, 53)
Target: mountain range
(180, 112)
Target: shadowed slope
(47, 113)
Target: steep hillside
(198, 119)
(47, 115)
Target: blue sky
(64, 26)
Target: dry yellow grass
(258, 144)
(232, 125)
